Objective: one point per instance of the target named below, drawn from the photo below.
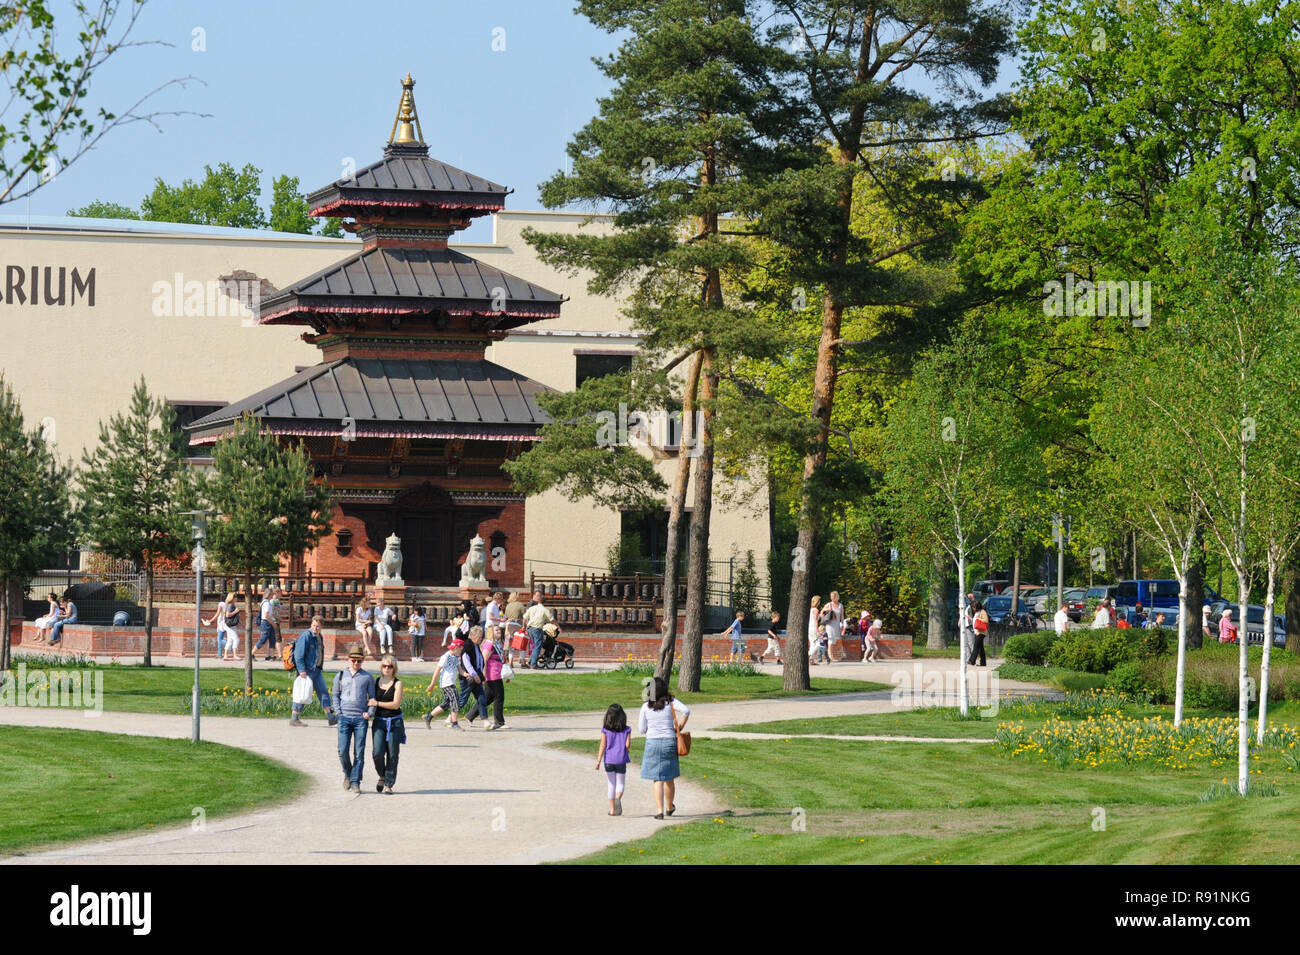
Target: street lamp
(199, 528)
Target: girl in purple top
(614, 737)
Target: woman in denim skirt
(659, 761)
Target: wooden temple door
(426, 548)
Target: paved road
(500, 797)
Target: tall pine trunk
(795, 676)
(5, 585)
(697, 581)
(676, 507)
(936, 637)
(148, 612)
(248, 623)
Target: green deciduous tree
(949, 453)
(104, 210)
(266, 505)
(225, 197)
(34, 508)
(133, 486)
(288, 207)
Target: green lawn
(62, 785)
(901, 802)
(136, 689)
(1057, 677)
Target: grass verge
(838, 801)
(63, 785)
(135, 689)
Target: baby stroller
(554, 651)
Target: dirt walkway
(500, 797)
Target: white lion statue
(471, 572)
(390, 565)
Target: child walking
(614, 737)
(448, 668)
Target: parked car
(1076, 599)
(1148, 593)
(987, 588)
(1255, 623)
(999, 610)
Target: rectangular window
(597, 364)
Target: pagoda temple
(404, 416)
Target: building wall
(74, 365)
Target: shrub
(1154, 642)
(1127, 678)
(1074, 651)
(1111, 650)
(1030, 648)
(1096, 651)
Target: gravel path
(501, 797)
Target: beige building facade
(91, 306)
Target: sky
(299, 86)
(304, 86)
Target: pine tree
(133, 487)
(695, 119)
(267, 505)
(34, 508)
(858, 66)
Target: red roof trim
(329, 207)
(406, 433)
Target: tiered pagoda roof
(403, 324)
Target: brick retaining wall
(593, 647)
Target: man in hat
(353, 689)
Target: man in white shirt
(1102, 620)
(494, 612)
(269, 622)
(1062, 621)
(536, 616)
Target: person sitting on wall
(44, 624)
(67, 615)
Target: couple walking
(361, 704)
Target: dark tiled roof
(391, 395)
(408, 169)
(436, 278)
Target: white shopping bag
(302, 691)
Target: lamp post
(200, 532)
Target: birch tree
(949, 436)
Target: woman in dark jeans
(389, 730)
(493, 657)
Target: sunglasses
(385, 666)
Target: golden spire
(403, 130)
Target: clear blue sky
(298, 86)
(295, 86)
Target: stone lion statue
(390, 565)
(471, 572)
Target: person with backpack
(308, 655)
(269, 623)
(980, 624)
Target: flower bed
(1120, 740)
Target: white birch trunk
(1243, 681)
(1180, 680)
(961, 597)
(1268, 647)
